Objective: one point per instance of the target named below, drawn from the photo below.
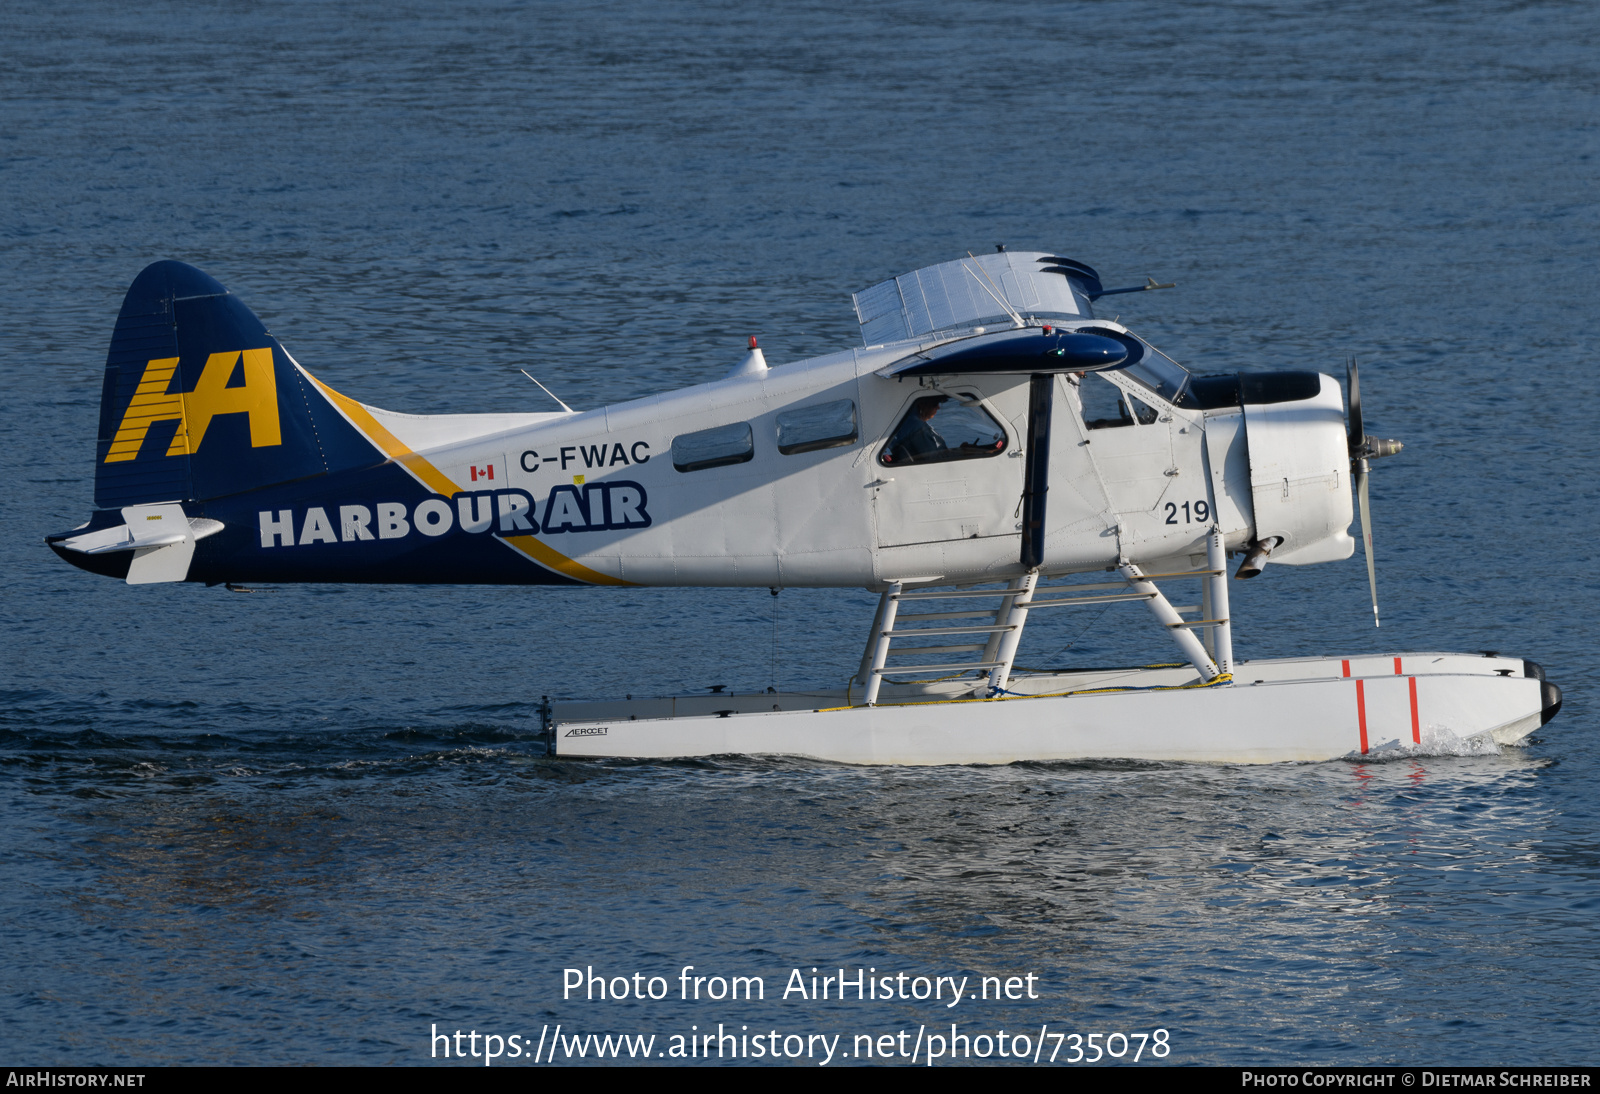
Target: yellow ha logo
(194, 410)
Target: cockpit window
(938, 428)
(1106, 406)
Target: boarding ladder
(1001, 626)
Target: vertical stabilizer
(200, 401)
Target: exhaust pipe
(1255, 559)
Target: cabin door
(950, 466)
(1149, 455)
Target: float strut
(1221, 635)
(874, 637)
(887, 609)
(1169, 618)
(1015, 607)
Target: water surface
(305, 824)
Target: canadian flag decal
(485, 472)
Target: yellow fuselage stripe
(436, 480)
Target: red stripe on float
(1361, 712)
(1416, 723)
(1397, 671)
(1346, 665)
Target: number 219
(1199, 514)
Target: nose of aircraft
(1363, 446)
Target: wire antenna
(547, 391)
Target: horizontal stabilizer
(161, 537)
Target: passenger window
(810, 428)
(1105, 405)
(939, 428)
(716, 447)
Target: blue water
(308, 824)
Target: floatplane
(992, 449)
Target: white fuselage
(1142, 492)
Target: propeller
(1363, 449)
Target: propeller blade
(1356, 431)
(1366, 534)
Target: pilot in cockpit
(915, 440)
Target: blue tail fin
(200, 401)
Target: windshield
(1161, 374)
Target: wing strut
(1036, 479)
